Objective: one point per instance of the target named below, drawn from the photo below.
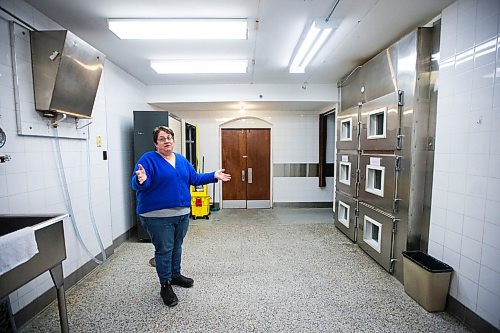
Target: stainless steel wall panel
(387, 104)
(381, 249)
(383, 199)
(347, 181)
(345, 215)
(350, 88)
(379, 74)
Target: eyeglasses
(165, 138)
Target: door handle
(249, 175)
(242, 175)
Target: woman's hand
(219, 174)
(141, 174)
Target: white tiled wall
(29, 183)
(465, 218)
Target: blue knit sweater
(166, 186)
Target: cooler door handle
(249, 175)
(242, 175)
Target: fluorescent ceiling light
(179, 28)
(311, 44)
(199, 66)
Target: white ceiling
(364, 28)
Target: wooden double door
(246, 155)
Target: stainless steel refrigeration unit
(385, 131)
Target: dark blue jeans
(167, 234)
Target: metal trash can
(426, 280)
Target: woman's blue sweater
(166, 186)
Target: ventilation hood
(66, 73)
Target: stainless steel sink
(49, 234)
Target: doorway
(246, 155)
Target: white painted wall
(294, 139)
(465, 216)
(29, 183)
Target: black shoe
(168, 295)
(182, 281)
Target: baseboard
(37, 305)
(303, 204)
(469, 318)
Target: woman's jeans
(167, 234)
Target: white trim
(367, 233)
(369, 183)
(346, 181)
(368, 126)
(347, 209)
(342, 122)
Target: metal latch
(395, 206)
(399, 141)
(401, 97)
(430, 143)
(398, 163)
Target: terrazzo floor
(274, 270)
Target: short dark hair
(157, 130)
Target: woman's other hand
(219, 174)
(141, 174)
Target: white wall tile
(486, 28)
(475, 207)
(484, 53)
(436, 234)
(438, 216)
(469, 268)
(488, 304)
(473, 228)
(493, 191)
(471, 249)
(467, 292)
(490, 257)
(453, 239)
(492, 235)
(436, 250)
(492, 212)
(454, 221)
(476, 186)
(451, 258)
(490, 280)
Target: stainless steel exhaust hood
(66, 73)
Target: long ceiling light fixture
(182, 66)
(315, 38)
(179, 28)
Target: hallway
(274, 270)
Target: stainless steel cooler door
(375, 234)
(380, 123)
(345, 215)
(347, 164)
(347, 129)
(377, 180)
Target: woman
(161, 180)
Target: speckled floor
(279, 270)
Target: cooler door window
(376, 124)
(372, 233)
(375, 179)
(346, 130)
(345, 173)
(344, 211)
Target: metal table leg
(56, 273)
